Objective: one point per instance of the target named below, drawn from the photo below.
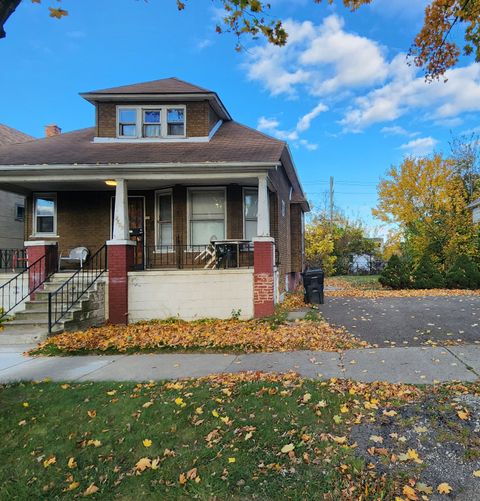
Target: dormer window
(175, 122)
(127, 122)
(151, 122)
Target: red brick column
(36, 250)
(263, 277)
(120, 261)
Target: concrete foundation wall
(14, 292)
(189, 294)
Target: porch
(176, 245)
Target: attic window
(175, 122)
(151, 122)
(127, 122)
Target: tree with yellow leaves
(319, 247)
(427, 199)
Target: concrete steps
(31, 324)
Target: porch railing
(25, 283)
(223, 256)
(12, 260)
(62, 300)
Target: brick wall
(263, 279)
(200, 118)
(296, 238)
(120, 259)
(280, 222)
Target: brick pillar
(263, 276)
(35, 250)
(120, 261)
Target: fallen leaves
(91, 489)
(247, 336)
(343, 288)
(287, 448)
(444, 488)
(48, 462)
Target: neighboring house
(11, 204)
(475, 207)
(178, 191)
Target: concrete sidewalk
(406, 365)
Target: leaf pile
(206, 335)
(344, 288)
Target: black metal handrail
(12, 260)
(62, 300)
(221, 256)
(25, 283)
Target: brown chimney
(52, 130)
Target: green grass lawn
(362, 281)
(211, 439)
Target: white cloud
(353, 72)
(405, 92)
(323, 58)
(420, 146)
(203, 44)
(272, 126)
(397, 130)
(304, 123)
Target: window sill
(44, 235)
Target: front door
(137, 229)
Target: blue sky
(340, 92)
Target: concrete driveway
(409, 321)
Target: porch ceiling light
(111, 182)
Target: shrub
(395, 274)
(426, 275)
(463, 274)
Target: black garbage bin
(313, 285)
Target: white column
(121, 224)
(263, 216)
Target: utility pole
(331, 199)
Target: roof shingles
(164, 86)
(9, 135)
(232, 142)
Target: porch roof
(232, 142)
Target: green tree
(396, 273)
(426, 275)
(463, 274)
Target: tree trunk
(7, 8)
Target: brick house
(201, 216)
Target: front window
(44, 214)
(164, 219)
(207, 216)
(152, 124)
(127, 122)
(175, 122)
(250, 212)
